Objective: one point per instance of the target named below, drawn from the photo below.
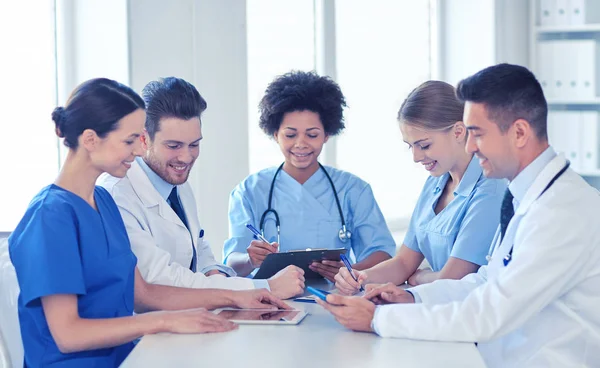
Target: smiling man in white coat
(158, 206)
(537, 302)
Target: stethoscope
(508, 257)
(344, 234)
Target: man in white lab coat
(158, 206)
(537, 302)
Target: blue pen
(349, 267)
(257, 233)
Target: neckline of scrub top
(470, 178)
(466, 184)
(96, 211)
(316, 176)
(464, 188)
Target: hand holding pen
(259, 249)
(349, 281)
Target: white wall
(203, 42)
(475, 34)
(91, 42)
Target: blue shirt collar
(519, 186)
(468, 181)
(162, 187)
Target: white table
(318, 341)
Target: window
(28, 144)
(382, 53)
(281, 37)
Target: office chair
(11, 346)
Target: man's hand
(257, 299)
(194, 321)
(387, 294)
(346, 284)
(288, 282)
(214, 272)
(353, 312)
(258, 250)
(327, 269)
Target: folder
(561, 70)
(582, 12)
(585, 53)
(547, 12)
(561, 12)
(545, 64)
(590, 146)
(571, 131)
(564, 133)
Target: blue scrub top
(465, 228)
(308, 213)
(63, 246)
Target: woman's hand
(346, 284)
(194, 321)
(327, 269)
(258, 250)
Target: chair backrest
(11, 345)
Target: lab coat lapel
(144, 189)
(540, 183)
(535, 190)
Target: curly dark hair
(300, 91)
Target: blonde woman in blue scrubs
(458, 210)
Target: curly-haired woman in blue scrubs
(303, 204)
(76, 272)
(457, 213)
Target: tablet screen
(259, 314)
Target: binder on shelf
(582, 12)
(590, 133)
(545, 64)
(561, 70)
(561, 11)
(547, 12)
(585, 53)
(564, 134)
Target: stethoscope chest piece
(344, 234)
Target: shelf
(568, 29)
(593, 101)
(588, 173)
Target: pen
(349, 267)
(257, 233)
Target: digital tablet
(316, 293)
(276, 262)
(262, 316)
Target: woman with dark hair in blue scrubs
(76, 272)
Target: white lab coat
(160, 241)
(543, 309)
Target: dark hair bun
(58, 116)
